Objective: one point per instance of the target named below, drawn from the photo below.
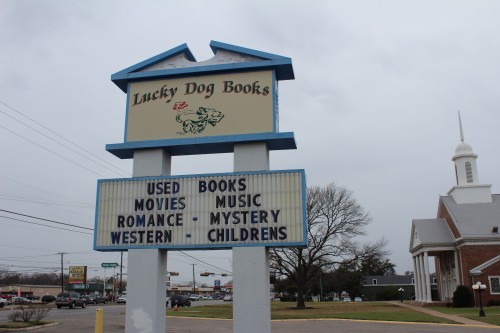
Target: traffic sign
(109, 264)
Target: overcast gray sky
(373, 106)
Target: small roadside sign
(109, 264)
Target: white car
(3, 302)
(122, 299)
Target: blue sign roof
(262, 60)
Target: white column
(416, 278)
(422, 278)
(427, 277)
(441, 278)
(147, 268)
(251, 286)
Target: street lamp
(401, 290)
(479, 287)
(217, 286)
(169, 274)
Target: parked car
(3, 302)
(70, 300)
(33, 297)
(180, 300)
(347, 299)
(194, 297)
(8, 297)
(228, 298)
(20, 300)
(48, 298)
(358, 299)
(122, 299)
(96, 299)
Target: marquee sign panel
(202, 211)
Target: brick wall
(475, 255)
(443, 213)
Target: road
(82, 321)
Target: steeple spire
(468, 188)
(461, 130)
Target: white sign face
(202, 211)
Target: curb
(27, 328)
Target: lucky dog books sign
(212, 105)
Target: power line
(51, 151)
(44, 225)
(12, 197)
(31, 256)
(62, 137)
(47, 220)
(35, 188)
(205, 263)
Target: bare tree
(334, 217)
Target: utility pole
(194, 281)
(121, 274)
(62, 271)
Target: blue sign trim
(204, 145)
(282, 65)
(217, 174)
(200, 247)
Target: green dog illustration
(195, 122)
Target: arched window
(468, 172)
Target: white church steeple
(468, 189)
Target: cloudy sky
(373, 106)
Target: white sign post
(251, 301)
(176, 107)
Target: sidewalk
(435, 313)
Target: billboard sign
(201, 106)
(202, 211)
(77, 274)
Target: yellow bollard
(99, 320)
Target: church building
(463, 239)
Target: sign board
(81, 286)
(191, 107)
(202, 211)
(109, 264)
(77, 274)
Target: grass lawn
(284, 310)
(492, 313)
